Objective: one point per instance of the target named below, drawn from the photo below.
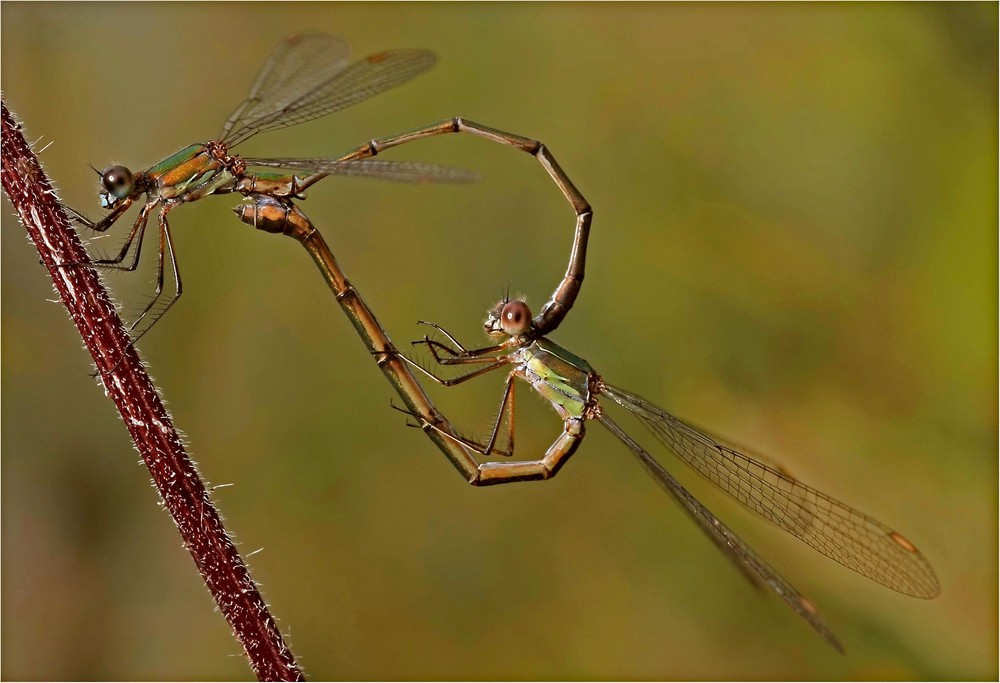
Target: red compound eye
(515, 318)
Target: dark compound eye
(118, 181)
(515, 318)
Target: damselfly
(573, 388)
(307, 76)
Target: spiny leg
(433, 346)
(491, 364)
(458, 356)
(166, 248)
(105, 222)
(458, 345)
(138, 229)
(545, 467)
(450, 434)
(488, 448)
(469, 357)
(483, 355)
(553, 312)
(506, 403)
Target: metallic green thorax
(191, 173)
(559, 376)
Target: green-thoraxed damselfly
(574, 389)
(306, 77)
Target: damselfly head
(508, 318)
(118, 184)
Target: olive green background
(794, 243)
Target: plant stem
(129, 386)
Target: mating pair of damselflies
(306, 77)
(309, 76)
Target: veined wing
(732, 545)
(297, 66)
(840, 532)
(400, 171)
(306, 78)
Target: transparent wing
(400, 171)
(739, 552)
(298, 65)
(840, 532)
(306, 78)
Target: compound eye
(118, 181)
(515, 318)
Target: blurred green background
(795, 244)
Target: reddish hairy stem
(141, 409)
